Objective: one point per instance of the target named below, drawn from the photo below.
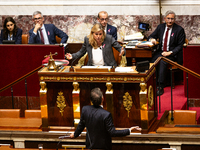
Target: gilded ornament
(150, 97)
(61, 102)
(127, 102)
(125, 79)
(74, 78)
(142, 79)
(41, 78)
(108, 79)
(58, 78)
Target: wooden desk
(138, 53)
(171, 129)
(125, 87)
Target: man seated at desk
(98, 45)
(45, 33)
(171, 39)
(103, 20)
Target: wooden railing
(17, 81)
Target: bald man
(103, 20)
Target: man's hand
(153, 41)
(72, 135)
(166, 53)
(122, 52)
(135, 128)
(68, 56)
(37, 26)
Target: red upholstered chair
(185, 117)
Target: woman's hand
(68, 56)
(122, 52)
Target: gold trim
(109, 88)
(150, 97)
(127, 102)
(61, 102)
(113, 79)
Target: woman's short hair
(170, 12)
(96, 28)
(5, 30)
(96, 96)
(37, 12)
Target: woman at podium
(98, 46)
(11, 32)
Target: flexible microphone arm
(71, 69)
(61, 138)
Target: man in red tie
(171, 38)
(45, 33)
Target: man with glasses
(45, 33)
(171, 38)
(103, 20)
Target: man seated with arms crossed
(171, 38)
(103, 20)
(99, 124)
(45, 33)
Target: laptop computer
(8, 41)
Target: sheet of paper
(124, 69)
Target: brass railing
(184, 69)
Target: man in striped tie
(171, 38)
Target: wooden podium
(129, 96)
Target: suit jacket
(107, 45)
(52, 31)
(17, 38)
(111, 30)
(177, 38)
(100, 128)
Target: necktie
(42, 37)
(165, 42)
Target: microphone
(65, 136)
(71, 69)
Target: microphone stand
(71, 69)
(62, 138)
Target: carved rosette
(61, 102)
(127, 102)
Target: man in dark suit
(171, 38)
(103, 20)
(99, 124)
(45, 33)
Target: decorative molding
(97, 3)
(79, 3)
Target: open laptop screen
(8, 41)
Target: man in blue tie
(171, 38)
(103, 20)
(45, 33)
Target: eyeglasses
(38, 18)
(170, 18)
(102, 19)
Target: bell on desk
(51, 63)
